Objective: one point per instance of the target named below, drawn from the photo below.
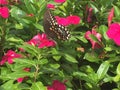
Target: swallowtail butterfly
(53, 29)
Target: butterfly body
(53, 29)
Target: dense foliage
(88, 60)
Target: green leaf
(102, 70)
(94, 7)
(38, 26)
(56, 54)
(91, 56)
(42, 61)
(24, 86)
(38, 86)
(29, 6)
(17, 13)
(116, 78)
(91, 78)
(19, 26)
(55, 66)
(16, 75)
(34, 51)
(117, 11)
(118, 69)
(94, 38)
(15, 39)
(25, 61)
(8, 85)
(102, 29)
(70, 58)
(79, 74)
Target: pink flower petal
(50, 88)
(41, 41)
(73, 19)
(62, 21)
(117, 39)
(97, 35)
(4, 12)
(3, 2)
(90, 14)
(20, 80)
(57, 85)
(50, 6)
(110, 16)
(59, 1)
(9, 56)
(113, 30)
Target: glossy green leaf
(29, 6)
(17, 13)
(103, 69)
(56, 54)
(117, 11)
(55, 66)
(118, 69)
(70, 58)
(116, 78)
(91, 56)
(8, 85)
(25, 61)
(38, 86)
(103, 29)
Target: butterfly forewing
(53, 29)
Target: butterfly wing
(53, 29)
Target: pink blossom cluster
(59, 1)
(4, 11)
(114, 33)
(65, 21)
(39, 40)
(68, 20)
(9, 56)
(52, 6)
(57, 85)
(97, 35)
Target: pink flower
(90, 14)
(57, 85)
(3, 2)
(30, 15)
(23, 78)
(50, 6)
(62, 21)
(59, 1)
(41, 41)
(68, 20)
(94, 43)
(4, 12)
(9, 56)
(73, 19)
(20, 80)
(110, 16)
(114, 33)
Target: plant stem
(2, 41)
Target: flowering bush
(88, 60)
